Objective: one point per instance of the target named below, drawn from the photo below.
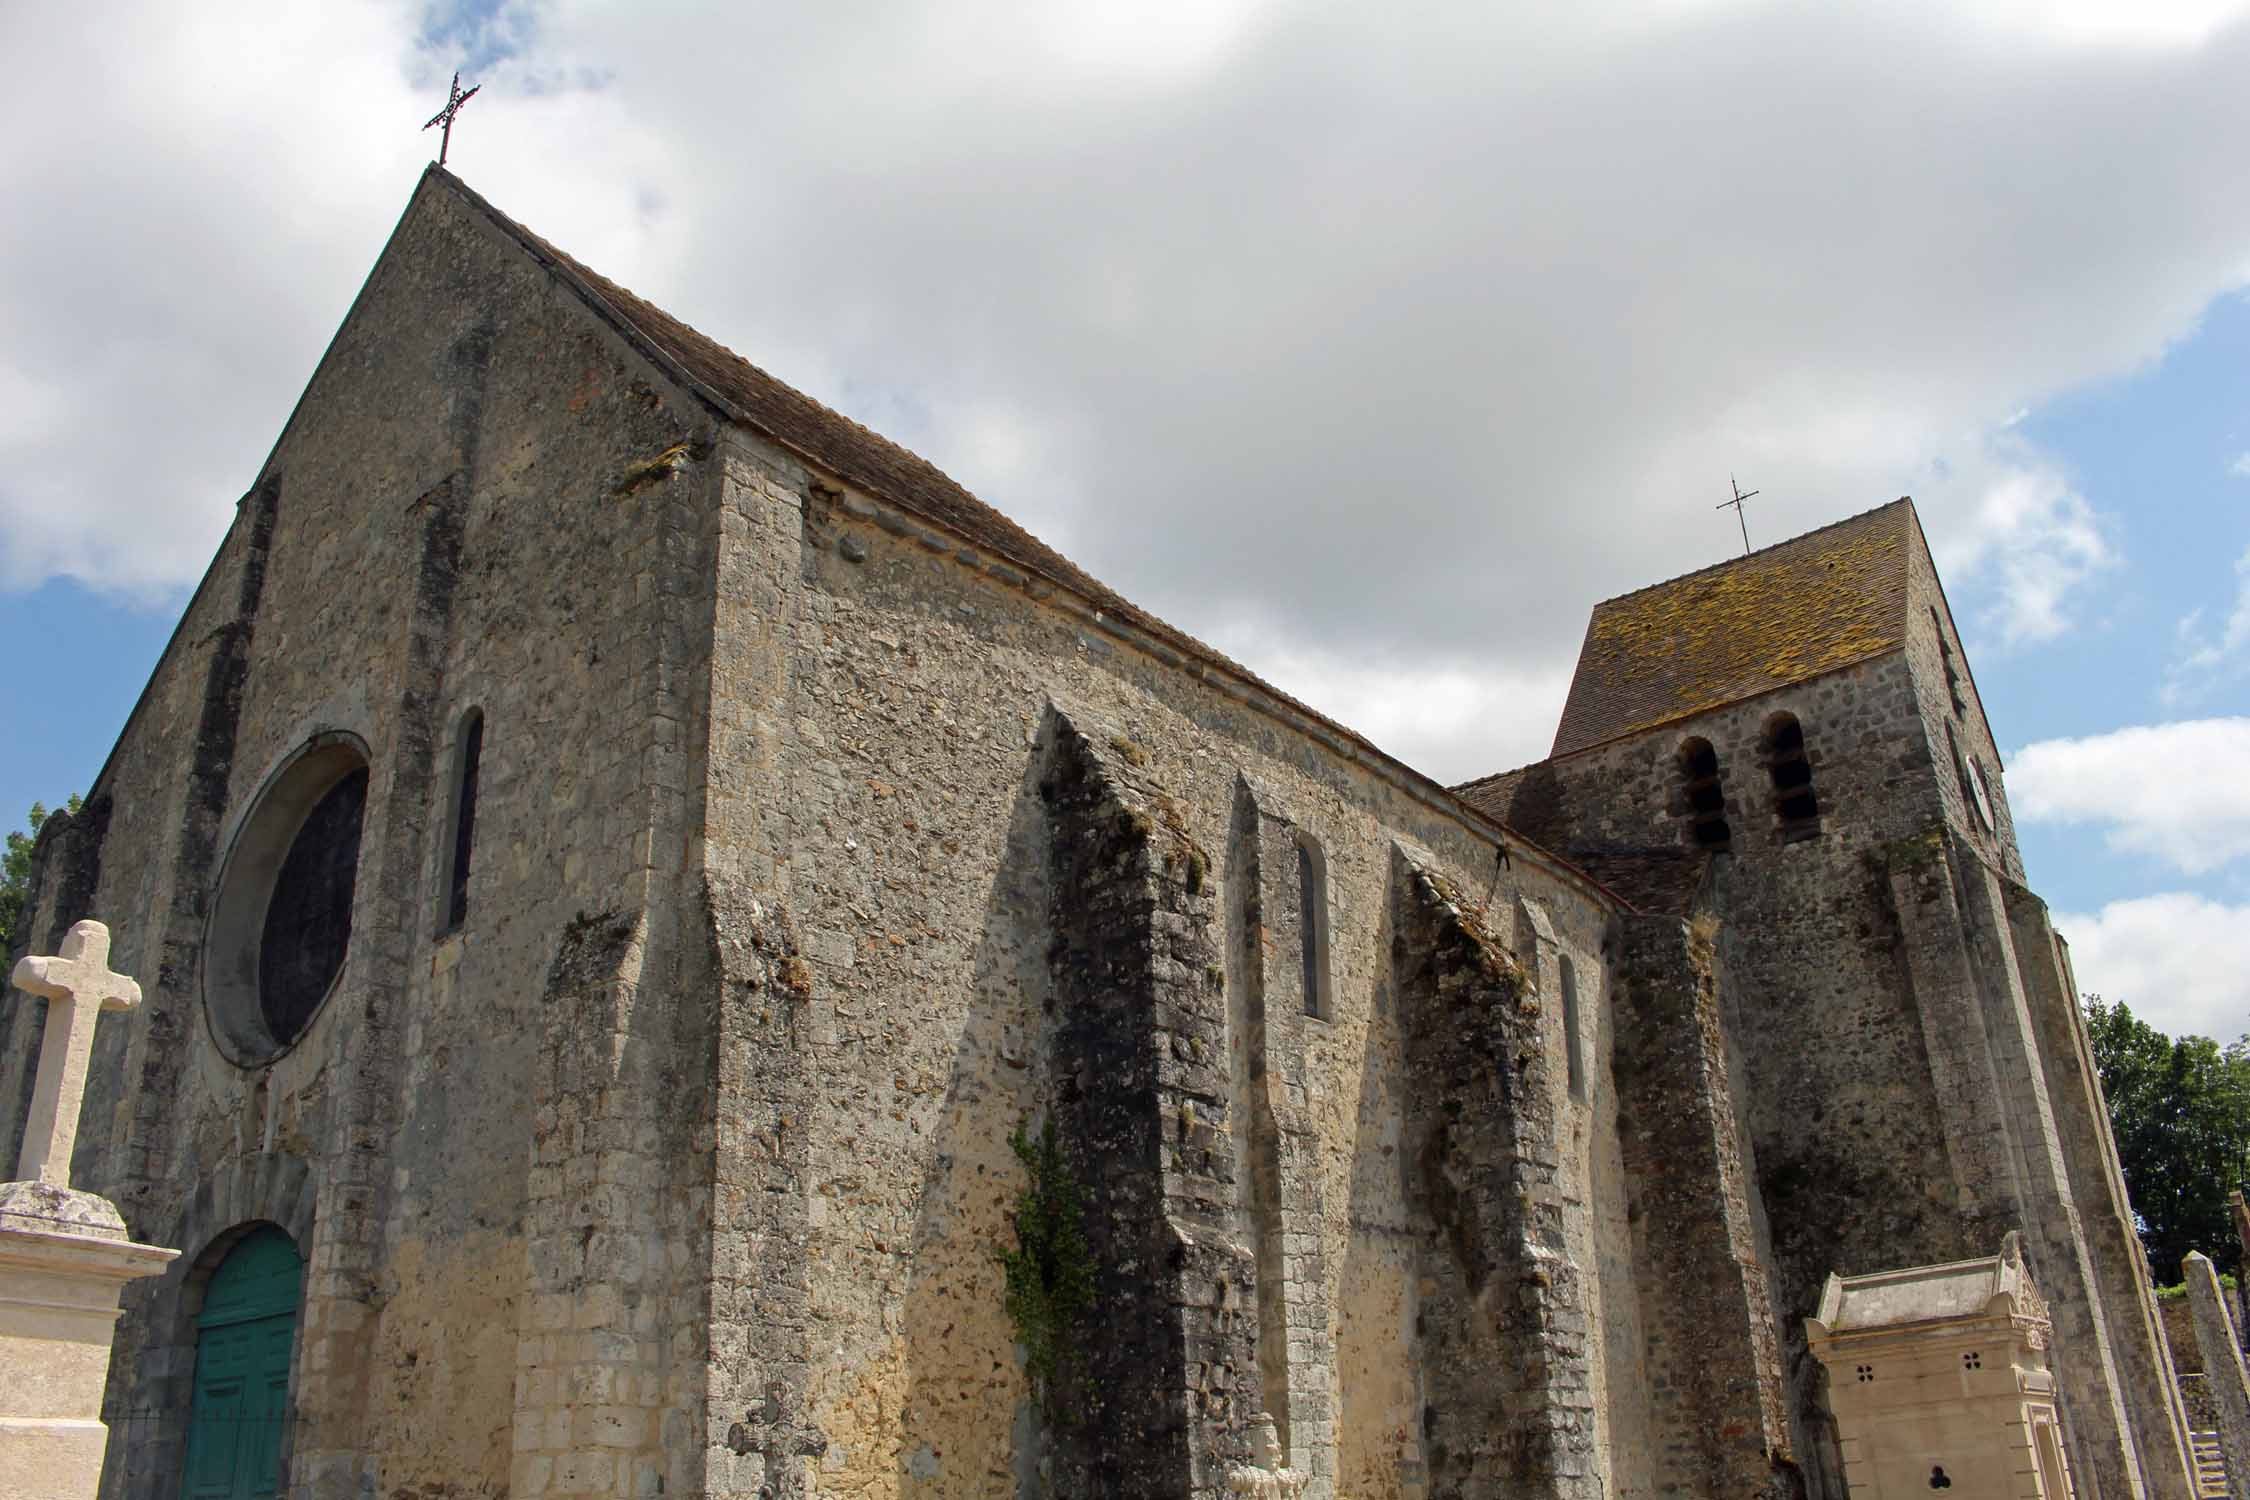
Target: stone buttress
(1161, 1396)
(2001, 1134)
(1282, 1190)
(1714, 1360)
(1503, 1322)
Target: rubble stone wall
(1888, 1121)
(879, 793)
(1722, 1420)
(1502, 1334)
(456, 517)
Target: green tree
(15, 874)
(2180, 1109)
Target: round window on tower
(282, 923)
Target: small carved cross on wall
(77, 986)
(767, 1431)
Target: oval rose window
(282, 924)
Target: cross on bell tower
(1740, 495)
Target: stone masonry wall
(1164, 1380)
(2141, 1354)
(1722, 1420)
(1501, 1333)
(874, 785)
(2220, 1346)
(1866, 1155)
(1271, 930)
(1841, 1117)
(682, 1166)
(451, 520)
(2003, 1144)
(1930, 636)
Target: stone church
(684, 955)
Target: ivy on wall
(1050, 1272)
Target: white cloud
(2177, 792)
(1409, 342)
(2105, 22)
(2209, 656)
(2180, 960)
(2240, 468)
(2029, 534)
(1451, 720)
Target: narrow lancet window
(467, 757)
(1573, 1057)
(1707, 799)
(1312, 926)
(1945, 653)
(1793, 799)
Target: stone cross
(78, 987)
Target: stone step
(2210, 1466)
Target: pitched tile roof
(1657, 881)
(1792, 611)
(1534, 800)
(873, 463)
(1529, 799)
(859, 456)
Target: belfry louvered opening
(1706, 798)
(1793, 800)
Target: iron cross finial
(454, 99)
(1740, 495)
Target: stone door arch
(259, 1190)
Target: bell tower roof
(1799, 609)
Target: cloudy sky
(1371, 345)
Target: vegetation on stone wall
(15, 874)
(1050, 1272)
(2178, 1289)
(2180, 1109)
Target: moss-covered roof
(1793, 611)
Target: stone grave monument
(64, 1254)
(1939, 1380)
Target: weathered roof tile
(1789, 612)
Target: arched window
(468, 753)
(1793, 798)
(1706, 798)
(1312, 925)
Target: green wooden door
(244, 1334)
